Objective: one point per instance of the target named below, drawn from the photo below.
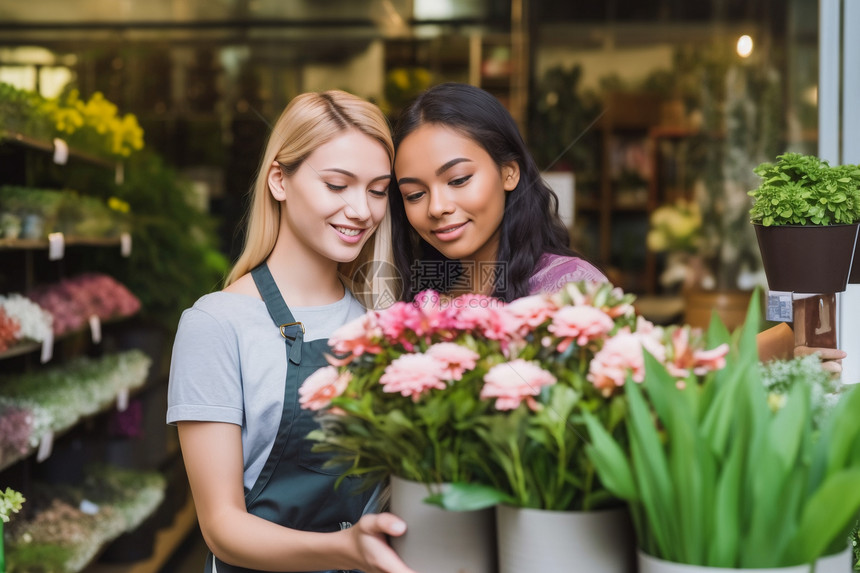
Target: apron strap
(291, 330)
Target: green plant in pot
(806, 215)
(720, 475)
(10, 502)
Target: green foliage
(805, 190)
(721, 479)
(559, 117)
(174, 259)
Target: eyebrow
(451, 164)
(439, 171)
(351, 174)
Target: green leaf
(828, 513)
(610, 461)
(460, 496)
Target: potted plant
(10, 502)
(806, 215)
(719, 477)
(488, 398)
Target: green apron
(293, 489)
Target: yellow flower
(118, 205)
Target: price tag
(122, 400)
(125, 244)
(46, 446)
(47, 347)
(56, 246)
(119, 174)
(96, 328)
(779, 307)
(61, 151)
(87, 507)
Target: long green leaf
(828, 513)
(651, 467)
(610, 461)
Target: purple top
(554, 271)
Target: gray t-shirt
(229, 365)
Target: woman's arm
(213, 458)
(777, 343)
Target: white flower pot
(838, 563)
(440, 541)
(542, 540)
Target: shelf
(107, 403)
(48, 147)
(19, 349)
(166, 542)
(39, 244)
(27, 347)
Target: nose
(440, 204)
(357, 207)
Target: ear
(277, 182)
(510, 175)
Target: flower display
(57, 535)
(34, 323)
(54, 399)
(92, 125)
(476, 392)
(74, 300)
(9, 329)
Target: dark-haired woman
(470, 212)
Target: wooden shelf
(48, 147)
(19, 349)
(39, 244)
(166, 542)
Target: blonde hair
(309, 121)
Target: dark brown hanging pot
(807, 258)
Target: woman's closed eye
(379, 192)
(334, 187)
(414, 196)
(459, 181)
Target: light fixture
(745, 46)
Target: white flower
(36, 323)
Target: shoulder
(217, 313)
(554, 271)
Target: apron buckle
(283, 328)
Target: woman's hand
(369, 538)
(831, 358)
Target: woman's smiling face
(453, 192)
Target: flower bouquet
(489, 396)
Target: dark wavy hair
(530, 225)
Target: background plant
(805, 190)
(723, 480)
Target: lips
(448, 229)
(450, 232)
(349, 234)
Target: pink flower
(530, 312)
(422, 318)
(357, 337)
(581, 324)
(458, 359)
(512, 382)
(413, 375)
(393, 320)
(685, 357)
(318, 389)
(620, 355)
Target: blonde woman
(264, 500)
